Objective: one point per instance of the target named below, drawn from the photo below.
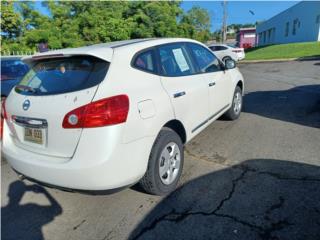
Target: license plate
(34, 135)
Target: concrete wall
(303, 15)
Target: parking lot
(255, 178)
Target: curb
(269, 60)
(281, 60)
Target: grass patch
(280, 51)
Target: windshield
(61, 75)
(232, 45)
(13, 69)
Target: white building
(300, 23)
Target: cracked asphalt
(255, 178)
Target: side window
(145, 61)
(175, 60)
(221, 48)
(295, 25)
(287, 29)
(216, 48)
(206, 61)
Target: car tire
(226, 58)
(165, 164)
(237, 102)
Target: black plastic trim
(179, 94)
(214, 115)
(157, 60)
(199, 126)
(25, 122)
(87, 192)
(210, 118)
(154, 58)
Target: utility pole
(224, 22)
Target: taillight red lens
(1, 127)
(107, 111)
(3, 116)
(3, 108)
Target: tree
(104, 22)
(196, 24)
(236, 27)
(10, 21)
(154, 19)
(73, 23)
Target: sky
(238, 11)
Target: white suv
(109, 115)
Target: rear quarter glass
(62, 75)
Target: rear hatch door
(38, 104)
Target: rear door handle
(30, 122)
(179, 94)
(212, 84)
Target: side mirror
(230, 64)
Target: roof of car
(217, 44)
(108, 48)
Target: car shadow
(300, 105)
(309, 58)
(25, 221)
(257, 199)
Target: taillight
(107, 111)
(3, 116)
(1, 127)
(3, 108)
(237, 51)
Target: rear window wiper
(24, 88)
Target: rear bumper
(88, 192)
(98, 164)
(241, 56)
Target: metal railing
(20, 53)
(17, 53)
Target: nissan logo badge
(26, 105)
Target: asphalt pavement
(254, 178)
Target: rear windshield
(62, 75)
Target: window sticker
(35, 82)
(180, 59)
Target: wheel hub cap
(237, 102)
(169, 163)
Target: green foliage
(238, 26)
(154, 19)
(10, 21)
(217, 34)
(283, 51)
(196, 24)
(73, 24)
